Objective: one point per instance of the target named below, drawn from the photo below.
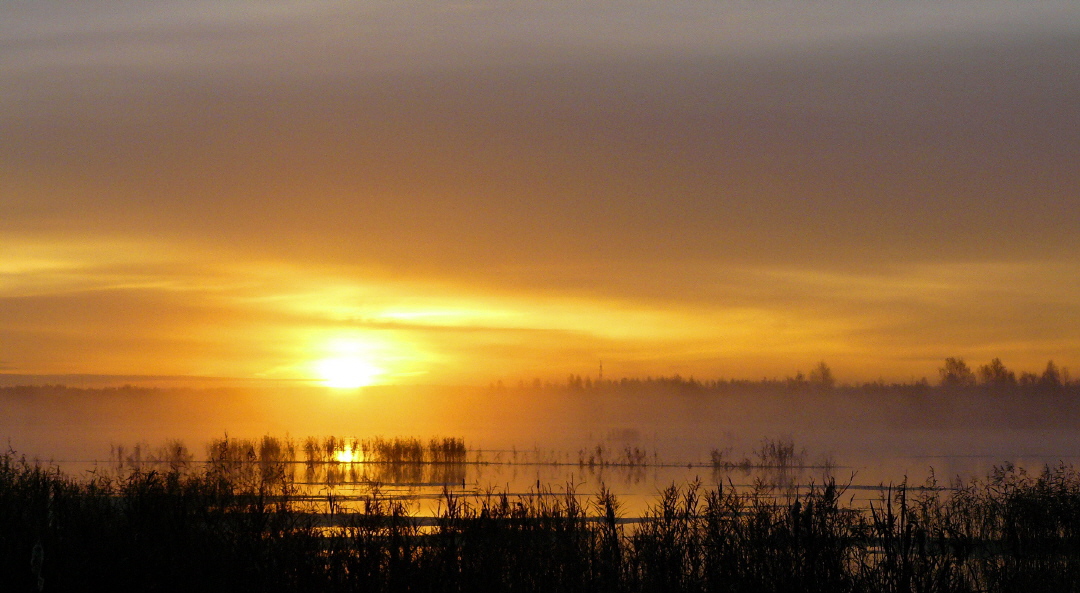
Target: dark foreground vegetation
(233, 526)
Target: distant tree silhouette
(996, 375)
(956, 374)
(822, 376)
(798, 382)
(1028, 379)
(1051, 378)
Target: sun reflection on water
(348, 456)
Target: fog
(883, 431)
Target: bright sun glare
(347, 372)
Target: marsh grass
(139, 529)
(237, 523)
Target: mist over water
(633, 461)
(883, 436)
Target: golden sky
(463, 192)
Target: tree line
(954, 374)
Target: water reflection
(351, 471)
(418, 475)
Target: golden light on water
(348, 455)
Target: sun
(347, 372)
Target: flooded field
(688, 489)
(419, 473)
(275, 524)
(633, 440)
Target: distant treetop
(956, 374)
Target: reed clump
(601, 456)
(174, 454)
(329, 461)
(221, 526)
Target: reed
(230, 525)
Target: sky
(462, 192)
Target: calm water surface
(492, 472)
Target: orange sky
(467, 192)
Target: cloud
(854, 156)
(210, 186)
